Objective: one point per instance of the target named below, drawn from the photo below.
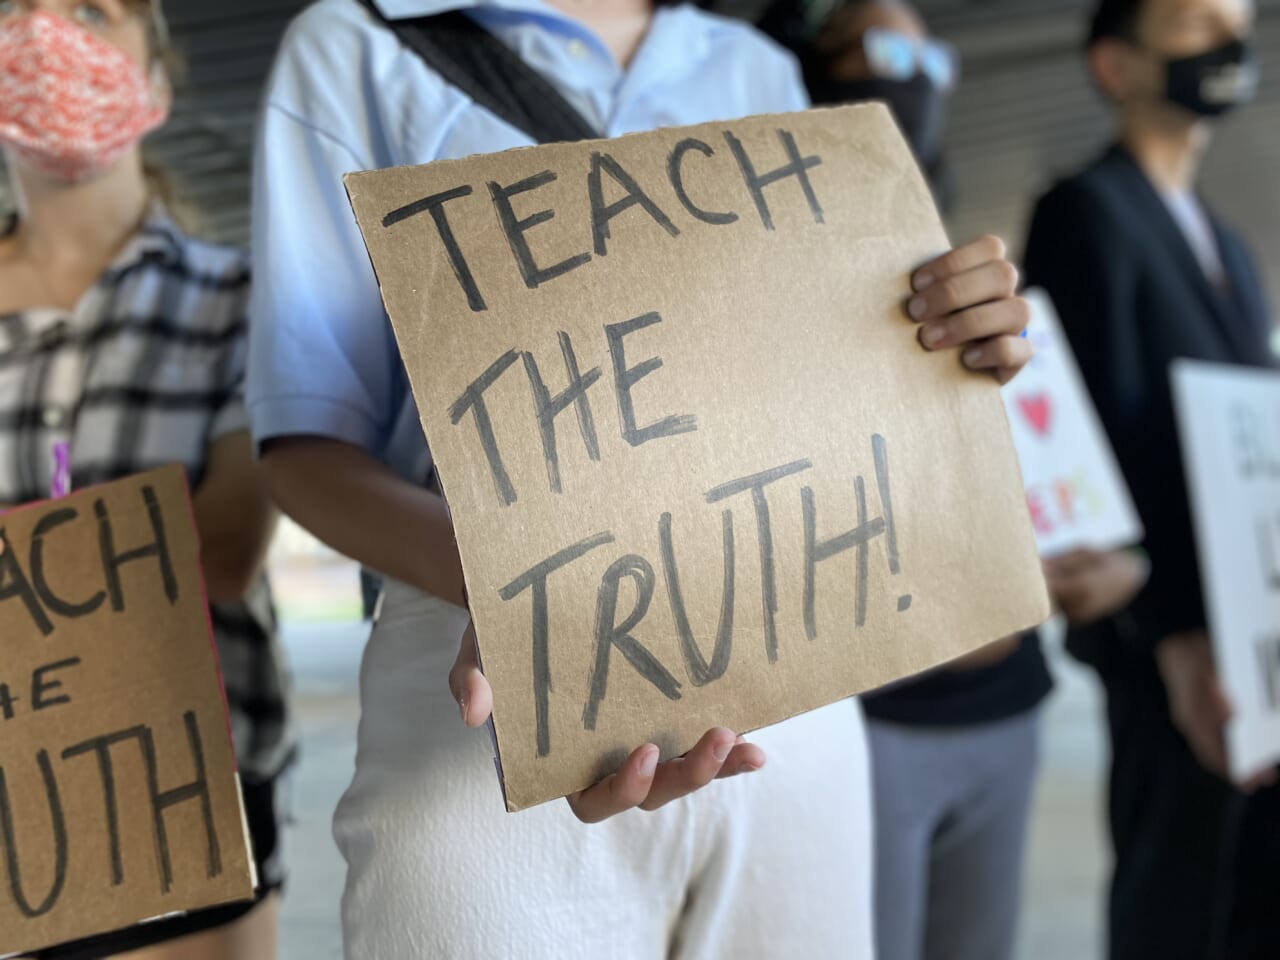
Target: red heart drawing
(1037, 411)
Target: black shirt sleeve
(1079, 251)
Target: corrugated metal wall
(1024, 114)
(228, 46)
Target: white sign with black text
(1229, 421)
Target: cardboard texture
(1229, 425)
(118, 794)
(700, 469)
(1076, 493)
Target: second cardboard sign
(700, 469)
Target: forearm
(361, 508)
(235, 518)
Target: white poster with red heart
(1075, 491)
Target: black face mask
(1213, 83)
(917, 105)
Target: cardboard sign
(1076, 493)
(1229, 422)
(700, 469)
(118, 793)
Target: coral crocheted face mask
(71, 105)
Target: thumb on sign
(642, 781)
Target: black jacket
(1133, 298)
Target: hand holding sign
(1089, 585)
(642, 781)
(966, 299)
(1075, 491)
(699, 471)
(972, 304)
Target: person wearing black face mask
(953, 753)
(1142, 273)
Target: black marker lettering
(58, 826)
(1268, 652)
(602, 213)
(197, 789)
(473, 399)
(434, 205)
(515, 229)
(797, 167)
(625, 378)
(13, 583)
(40, 686)
(535, 578)
(7, 700)
(880, 451)
(610, 634)
(1245, 441)
(764, 534)
(62, 607)
(549, 407)
(675, 172)
(816, 551)
(158, 548)
(101, 747)
(700, 672)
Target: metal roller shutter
(1025, 113)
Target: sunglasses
(896, 56)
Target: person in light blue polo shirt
(771, 864)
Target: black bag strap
(472, 59)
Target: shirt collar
(690, 33)
(158, 239)
(407, 9)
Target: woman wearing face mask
(875, 50)
(122, 347)
(953, 753)
(1142, 273)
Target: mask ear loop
(160, 81)
(160, 25)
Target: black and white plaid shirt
(147, 371)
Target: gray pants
(951, 811)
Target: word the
(44, 684)
(547, 407)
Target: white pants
(773, 864)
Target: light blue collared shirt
(345, 95)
